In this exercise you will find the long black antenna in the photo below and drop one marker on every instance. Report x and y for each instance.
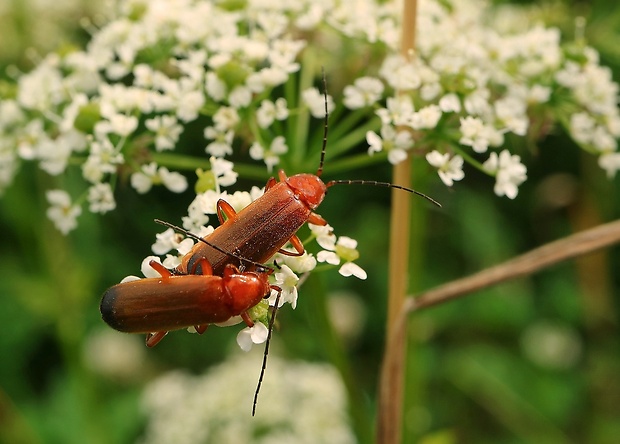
(200, 239)
(320, 170)
(264, 367)
(380, 184)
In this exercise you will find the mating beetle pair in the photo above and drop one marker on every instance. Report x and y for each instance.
(207, 287)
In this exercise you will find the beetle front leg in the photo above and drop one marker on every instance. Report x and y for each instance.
(297, 244)
(247, 319)
(316, 219)
(224, 208)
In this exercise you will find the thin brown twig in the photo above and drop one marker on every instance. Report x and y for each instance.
(569, 247)
(531, 262)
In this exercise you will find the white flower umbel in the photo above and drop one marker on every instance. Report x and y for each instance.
(509, 173)
(449, 169)
(338, 250)
(101, 198)
(271, 155)
(62, 212)
(315, 100)
(149, 73)
(167, 131)
(365, 91)
(395, 143)
(176, 407)
(151, 175)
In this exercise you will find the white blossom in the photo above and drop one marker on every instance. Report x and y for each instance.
(167, 131)
(395, 143)
(316, 102)
(150, 174)
(610, 162)
(271, 155)
(365, 91)
(62, 212)
(222, 141)
(509, 173)
(449, 169)
(479, 135)
(399, 111)
(101, 198)
(270, 111)
(287, 281)
(249, 336)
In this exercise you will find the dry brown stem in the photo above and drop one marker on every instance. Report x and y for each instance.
(531, 262)
(569, 247)
(389, 416)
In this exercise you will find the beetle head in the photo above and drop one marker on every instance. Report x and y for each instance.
(308, 188)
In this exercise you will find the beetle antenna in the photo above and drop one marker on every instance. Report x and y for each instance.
(200, 239)
(264, 366)
(380, 184)
(320, 170)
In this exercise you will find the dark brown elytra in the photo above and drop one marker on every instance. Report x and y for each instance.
(261, 229)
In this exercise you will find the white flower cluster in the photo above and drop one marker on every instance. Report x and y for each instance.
(171, 245)
(214, 408)
(469, 85)
(162, 64)
(120, 107)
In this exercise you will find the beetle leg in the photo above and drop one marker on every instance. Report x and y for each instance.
(224, 208)
(271, 182)
(163, 271)
(316, 219)
(299, 247)
(152, 339)
(247, 319)
(205, 267)
(200, 329)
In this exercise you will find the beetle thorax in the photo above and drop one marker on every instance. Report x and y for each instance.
(308, 188)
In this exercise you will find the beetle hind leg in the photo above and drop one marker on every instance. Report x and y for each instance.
(200, 329)
(152, 339)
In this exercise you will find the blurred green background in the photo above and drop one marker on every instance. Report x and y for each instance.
(534, 360)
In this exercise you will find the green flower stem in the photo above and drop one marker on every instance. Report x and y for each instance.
(350, 121)
(470, 160)
(191, 163)
(342, 140)
(256, 172)
(355, 161)
(352, 139)
(299, 137)
(181, 161)
(333, 348)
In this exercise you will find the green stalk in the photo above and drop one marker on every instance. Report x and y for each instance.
(299, 138)
(334, 350)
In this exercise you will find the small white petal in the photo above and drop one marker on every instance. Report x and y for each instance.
(351, 269)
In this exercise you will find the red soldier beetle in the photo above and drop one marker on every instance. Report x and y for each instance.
(173, 302)
(262, 228)
(207, 267)
(157, 305)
